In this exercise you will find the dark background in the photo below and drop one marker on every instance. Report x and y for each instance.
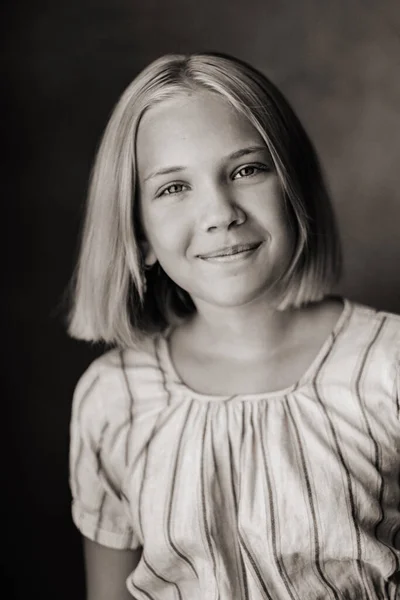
(65, 65)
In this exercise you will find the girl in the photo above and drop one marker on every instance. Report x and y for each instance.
(241, 439)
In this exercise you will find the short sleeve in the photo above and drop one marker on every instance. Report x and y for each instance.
(98, 510)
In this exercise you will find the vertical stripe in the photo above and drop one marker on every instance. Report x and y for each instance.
(163, 375)
(141, 590)
(311, 501)
(100, 447)
(100, 518)
(378, 458)
(144, 476)
(97, 456)
(116, 434)
(152, 570)
(77, 426)
(154, 428)
(131, 533)
(278, 562)
(203, 499)
(257, 576)
(118, 492)
(130, 408)
(98, 468)
(235, 502)
(259, 579)
(345, 469)
(167, 525)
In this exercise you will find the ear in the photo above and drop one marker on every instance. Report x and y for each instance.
(149, 257)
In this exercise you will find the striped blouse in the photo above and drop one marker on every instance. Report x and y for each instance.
(290, 495)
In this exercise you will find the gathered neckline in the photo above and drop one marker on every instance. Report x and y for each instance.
(176, 383)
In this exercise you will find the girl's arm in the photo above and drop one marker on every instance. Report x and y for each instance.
(106, 571)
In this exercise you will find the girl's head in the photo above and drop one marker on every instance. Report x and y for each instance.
(200, 153)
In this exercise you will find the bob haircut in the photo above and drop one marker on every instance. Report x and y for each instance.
(114, 299)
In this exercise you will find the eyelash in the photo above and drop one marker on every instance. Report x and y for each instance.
(171, 185)
(257, 167)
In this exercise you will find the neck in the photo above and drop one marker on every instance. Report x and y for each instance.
(247, 331)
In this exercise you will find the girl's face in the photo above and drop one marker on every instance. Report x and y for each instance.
(210, 201)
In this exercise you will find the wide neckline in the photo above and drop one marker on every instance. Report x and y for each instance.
(176, 383)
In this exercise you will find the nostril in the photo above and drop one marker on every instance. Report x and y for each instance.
(214, 221)
(236, 223)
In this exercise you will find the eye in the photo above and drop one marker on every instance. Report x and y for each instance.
(172, 189)
(249, 171)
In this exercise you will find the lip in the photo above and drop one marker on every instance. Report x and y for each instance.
(230, 250)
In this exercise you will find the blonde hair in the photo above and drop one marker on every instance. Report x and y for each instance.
(109, 302)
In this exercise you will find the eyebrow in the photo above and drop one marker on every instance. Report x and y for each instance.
(236, 154)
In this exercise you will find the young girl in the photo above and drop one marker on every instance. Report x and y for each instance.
(241, 439)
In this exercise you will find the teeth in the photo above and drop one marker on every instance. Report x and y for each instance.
(231, 252)
(235, 251)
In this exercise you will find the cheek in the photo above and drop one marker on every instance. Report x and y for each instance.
(285, 233)
(168, 232)
(272, 212)
(280, 226)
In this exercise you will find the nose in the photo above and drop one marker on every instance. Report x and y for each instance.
(220, 211)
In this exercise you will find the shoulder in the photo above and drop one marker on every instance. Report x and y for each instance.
(372, 338)
(384, 326)
(120, 380)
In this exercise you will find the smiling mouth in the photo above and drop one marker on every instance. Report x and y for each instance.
(230, 251)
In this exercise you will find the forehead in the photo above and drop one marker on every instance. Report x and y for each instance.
(192, 123)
